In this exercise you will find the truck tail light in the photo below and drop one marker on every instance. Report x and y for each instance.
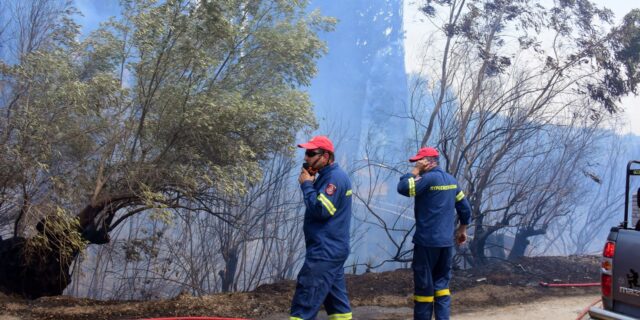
(609, 249)
(606, 265)
(606, 285)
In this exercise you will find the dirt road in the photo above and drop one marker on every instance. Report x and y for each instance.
(552, 308)
(495, 291)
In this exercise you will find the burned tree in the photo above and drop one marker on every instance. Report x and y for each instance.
(492, 94)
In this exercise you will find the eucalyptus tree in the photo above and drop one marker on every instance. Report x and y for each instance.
(171, 103)
(503, 73)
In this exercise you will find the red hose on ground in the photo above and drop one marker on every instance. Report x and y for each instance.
(585, 310)
(194, 318)
(589, 284)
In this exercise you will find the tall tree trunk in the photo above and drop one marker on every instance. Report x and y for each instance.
(477, 247)
(521, 242)
(33, 274)
(45, 270)
(228, 275)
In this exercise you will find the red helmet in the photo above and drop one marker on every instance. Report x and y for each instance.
(318, 142)
(424, 152)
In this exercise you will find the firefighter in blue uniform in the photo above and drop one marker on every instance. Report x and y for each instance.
(437, 195)
(327, 221)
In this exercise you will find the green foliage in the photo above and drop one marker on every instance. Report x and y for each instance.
(173, 101)
(627, 48)
(58, 236)
(605, 61)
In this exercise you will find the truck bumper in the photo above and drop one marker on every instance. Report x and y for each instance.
(601, 314)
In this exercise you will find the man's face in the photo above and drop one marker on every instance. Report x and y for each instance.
(431, 162)
(315, 158)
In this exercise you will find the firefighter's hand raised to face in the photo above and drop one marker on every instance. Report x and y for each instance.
(422, 166)
(304, 176)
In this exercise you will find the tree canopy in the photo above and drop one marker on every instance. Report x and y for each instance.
(172, 102)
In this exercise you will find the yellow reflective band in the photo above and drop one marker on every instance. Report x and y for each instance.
(412, 187)
(459, 196)
(423, 298)
(340, 316)
(327, 203)
(349, 192)
(442, 293)
(295, 318)
(443, 188)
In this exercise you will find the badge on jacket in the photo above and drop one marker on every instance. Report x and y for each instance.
(330, 189)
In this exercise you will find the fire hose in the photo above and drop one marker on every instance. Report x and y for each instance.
(588, 284)
(194, 318)
(586, 310)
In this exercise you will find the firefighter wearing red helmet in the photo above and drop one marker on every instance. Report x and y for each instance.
(326, 189)
(437, 196)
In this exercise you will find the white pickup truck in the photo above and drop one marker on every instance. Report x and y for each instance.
(620, 269)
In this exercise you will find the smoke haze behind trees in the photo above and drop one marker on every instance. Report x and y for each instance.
(376, 114)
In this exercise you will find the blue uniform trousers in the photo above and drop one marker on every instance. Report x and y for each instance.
(321, 281)
(431, 275)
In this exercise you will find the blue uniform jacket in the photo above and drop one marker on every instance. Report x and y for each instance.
(327, 218)
(437, 196)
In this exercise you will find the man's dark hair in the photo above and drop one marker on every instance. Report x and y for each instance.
(331, 156)
(435, 159)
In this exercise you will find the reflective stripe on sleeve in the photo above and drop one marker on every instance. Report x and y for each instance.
(459, 196)
(327, 203)
(412, 187)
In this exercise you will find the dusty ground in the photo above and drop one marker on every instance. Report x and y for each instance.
(544, 309)
(385, 295)
(548, 308)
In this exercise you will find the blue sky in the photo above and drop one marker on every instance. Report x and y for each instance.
(94, 12)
